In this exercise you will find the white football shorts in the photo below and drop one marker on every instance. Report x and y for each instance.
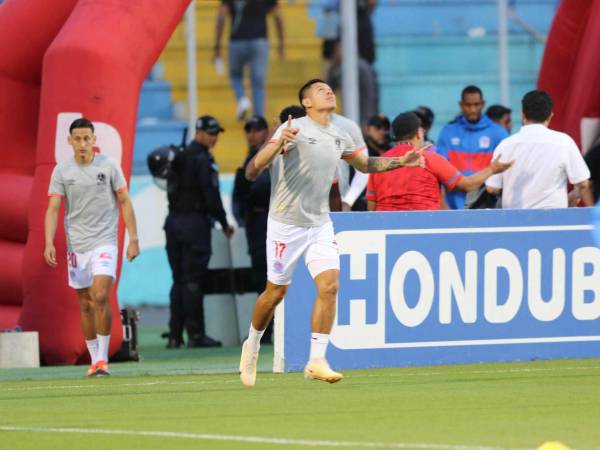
(286, 244)
(83, 267)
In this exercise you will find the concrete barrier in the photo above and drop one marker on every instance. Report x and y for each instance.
(19, 350)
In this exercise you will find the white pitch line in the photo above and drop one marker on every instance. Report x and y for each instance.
(267, 379)
(253, 439)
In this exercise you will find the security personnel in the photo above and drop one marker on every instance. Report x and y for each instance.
(251, 206)
(194, 203)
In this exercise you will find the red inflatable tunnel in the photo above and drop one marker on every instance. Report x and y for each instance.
(571, 70)
(70, 58)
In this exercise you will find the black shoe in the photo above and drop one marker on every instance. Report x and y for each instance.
(203, 341)
(174, 343)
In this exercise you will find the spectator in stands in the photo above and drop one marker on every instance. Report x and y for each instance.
(251, 206)
(592, 159)
(426, 116)
(545, 160)
(469, 140)
(377, 135)
(296, 111)
(419, 188)
(194, 203)
(248, 46)
(501, 115)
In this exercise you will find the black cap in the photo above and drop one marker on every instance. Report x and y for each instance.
(379, 121)
(209, 124)
(256, 122)
(405, 125)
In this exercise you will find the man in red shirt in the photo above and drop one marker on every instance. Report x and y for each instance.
(419, 188)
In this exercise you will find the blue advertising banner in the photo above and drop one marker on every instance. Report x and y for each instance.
(423, 288)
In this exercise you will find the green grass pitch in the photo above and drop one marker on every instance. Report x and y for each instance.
(192, 399)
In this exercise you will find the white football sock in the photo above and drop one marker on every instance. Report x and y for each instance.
(254, 338)
(318, 345)
(92, 347)
(103, 342)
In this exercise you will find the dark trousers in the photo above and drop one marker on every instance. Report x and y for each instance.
(188, 250)
(256, 236)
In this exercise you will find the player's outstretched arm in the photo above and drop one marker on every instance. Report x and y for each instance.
(475, 180)
(133, 249)
(373, 164)
(50, 222)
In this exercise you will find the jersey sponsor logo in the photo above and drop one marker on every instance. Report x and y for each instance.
(484, 142)
(101, 179)
(455, 141)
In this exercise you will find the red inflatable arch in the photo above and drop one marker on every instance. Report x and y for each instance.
(82, 57)
(571, 70)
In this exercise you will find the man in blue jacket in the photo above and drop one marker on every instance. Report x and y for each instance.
(468, 142)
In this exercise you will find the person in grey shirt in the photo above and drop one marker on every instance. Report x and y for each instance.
(93, 186)
(302, 156)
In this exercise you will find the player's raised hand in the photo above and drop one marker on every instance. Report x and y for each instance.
(50, 255)
(414, 158)
(288, 134)
(133, 250)
(498, 166)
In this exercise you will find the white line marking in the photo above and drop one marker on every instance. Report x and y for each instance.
(266, 378)
(253, 439)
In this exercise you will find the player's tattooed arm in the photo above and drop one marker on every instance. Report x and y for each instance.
(373, 164)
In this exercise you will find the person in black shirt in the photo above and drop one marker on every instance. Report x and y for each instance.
(248, 45)
(251, 206)
(194, 202)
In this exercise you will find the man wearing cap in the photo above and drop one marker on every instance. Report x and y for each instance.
(194, 202)
(251, 206)
(419, 187)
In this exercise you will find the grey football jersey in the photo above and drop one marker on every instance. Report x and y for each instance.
(91, 211)
(301, 177)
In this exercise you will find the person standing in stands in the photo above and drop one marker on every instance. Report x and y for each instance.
(545, 161)
(194, 203)
(501, 115)
(468, 142)
(93, 187)
(248, 46)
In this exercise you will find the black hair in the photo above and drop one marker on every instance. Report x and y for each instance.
(537, 106)
(81, 123)
(296, 111)
(471, 90)
(496, 112)
(405, 126)
(425, 115)
(306, 86)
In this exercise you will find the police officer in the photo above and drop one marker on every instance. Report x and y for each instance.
(194, 203)
(251, 206)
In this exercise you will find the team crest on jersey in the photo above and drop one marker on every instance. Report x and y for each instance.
(455, 141)
(101, 179)
(338, 144)
(484, 142)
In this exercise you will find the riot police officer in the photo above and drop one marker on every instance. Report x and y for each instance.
(251, 206)
(194, 203)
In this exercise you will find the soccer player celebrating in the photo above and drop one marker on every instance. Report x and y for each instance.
(303, 155)
(92, 184)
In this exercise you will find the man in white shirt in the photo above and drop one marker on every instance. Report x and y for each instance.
(545, 160)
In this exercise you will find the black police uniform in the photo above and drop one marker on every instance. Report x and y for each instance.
(251, 199)
(194, 202)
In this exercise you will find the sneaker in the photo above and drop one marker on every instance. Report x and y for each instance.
(102, 369)
(318, 369)
(243, 107)
(91, 370)
(248, 362)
